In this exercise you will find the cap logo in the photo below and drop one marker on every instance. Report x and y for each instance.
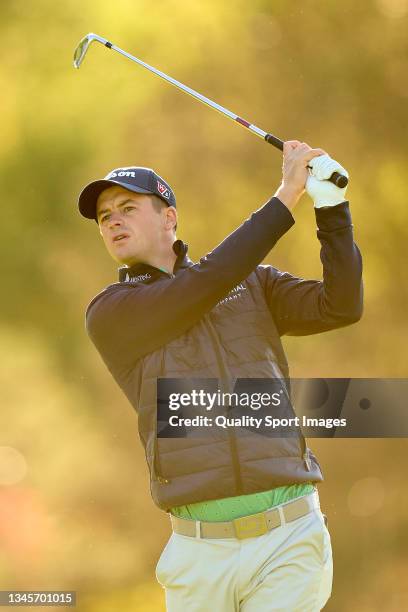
(163, 190)
(121, 173)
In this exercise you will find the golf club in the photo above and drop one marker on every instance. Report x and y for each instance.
(338, 179)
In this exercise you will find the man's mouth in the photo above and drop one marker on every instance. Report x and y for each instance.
(120, 237)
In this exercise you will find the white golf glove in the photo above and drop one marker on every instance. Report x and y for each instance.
(323, 192)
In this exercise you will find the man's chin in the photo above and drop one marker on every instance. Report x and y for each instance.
(124, 254)
(126, 259)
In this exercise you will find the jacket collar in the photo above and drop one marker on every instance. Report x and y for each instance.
(127, 274)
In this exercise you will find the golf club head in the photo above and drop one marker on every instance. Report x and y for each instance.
(83, 47)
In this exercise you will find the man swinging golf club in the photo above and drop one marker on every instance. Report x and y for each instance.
(247, 530)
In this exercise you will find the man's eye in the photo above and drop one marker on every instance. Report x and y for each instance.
(129, 208)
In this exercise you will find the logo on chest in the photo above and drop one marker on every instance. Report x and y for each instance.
(234, 294)
(133, 279)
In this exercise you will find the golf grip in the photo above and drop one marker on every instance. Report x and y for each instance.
(336, 178)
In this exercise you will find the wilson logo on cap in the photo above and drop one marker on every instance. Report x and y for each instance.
(163, 189)
(121, 173)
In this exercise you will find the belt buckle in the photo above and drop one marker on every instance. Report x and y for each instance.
(250, 526)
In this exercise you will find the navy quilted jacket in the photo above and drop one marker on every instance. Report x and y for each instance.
(223, 318)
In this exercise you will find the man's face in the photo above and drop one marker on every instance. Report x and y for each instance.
(130, 226)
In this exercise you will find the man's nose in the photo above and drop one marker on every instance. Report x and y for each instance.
(115, 219)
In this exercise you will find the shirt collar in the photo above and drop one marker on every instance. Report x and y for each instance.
(180, 248)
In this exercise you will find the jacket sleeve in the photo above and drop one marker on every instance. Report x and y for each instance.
(301, 307)
(129, 320)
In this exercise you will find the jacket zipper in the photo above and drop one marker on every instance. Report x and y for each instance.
(304, 449)
(227, 387)
(157, 464)
(157, 469)
(306, 456)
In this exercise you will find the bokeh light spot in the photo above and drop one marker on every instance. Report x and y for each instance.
(13, 466)
(366, 497)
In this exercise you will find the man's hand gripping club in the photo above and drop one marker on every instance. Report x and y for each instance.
(306, 169)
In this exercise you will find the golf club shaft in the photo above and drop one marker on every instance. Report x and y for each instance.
(336, 178)
(195, 94)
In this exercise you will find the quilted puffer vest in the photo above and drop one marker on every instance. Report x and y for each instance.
(236, 339)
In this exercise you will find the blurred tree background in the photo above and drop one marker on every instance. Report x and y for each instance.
(75, 509)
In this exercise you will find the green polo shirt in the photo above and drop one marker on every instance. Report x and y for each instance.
(229, 508)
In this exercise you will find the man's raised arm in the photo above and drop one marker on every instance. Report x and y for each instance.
(135, 319)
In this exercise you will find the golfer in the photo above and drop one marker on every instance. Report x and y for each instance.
(248, 533)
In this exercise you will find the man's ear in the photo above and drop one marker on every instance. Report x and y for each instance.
(171, 216)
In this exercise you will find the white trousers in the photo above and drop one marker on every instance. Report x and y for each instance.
(288, 569)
